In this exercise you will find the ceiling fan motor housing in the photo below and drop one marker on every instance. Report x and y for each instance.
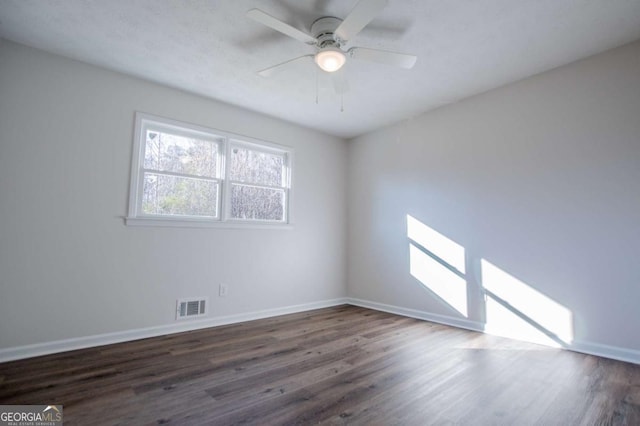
(323, 30)
(330, 37)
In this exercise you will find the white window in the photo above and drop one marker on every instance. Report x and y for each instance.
(188, 175)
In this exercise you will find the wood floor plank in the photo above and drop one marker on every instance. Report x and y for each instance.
(341, 365)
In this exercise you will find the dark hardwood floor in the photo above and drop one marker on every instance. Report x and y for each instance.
(343, 365)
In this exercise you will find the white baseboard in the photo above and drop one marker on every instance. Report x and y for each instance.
(413, 313)
(46, 348)
(589, 348)
(606, 351)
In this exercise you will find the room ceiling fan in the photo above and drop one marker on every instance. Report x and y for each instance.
(330, 35)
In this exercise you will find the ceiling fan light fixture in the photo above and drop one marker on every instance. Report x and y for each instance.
(330, 59)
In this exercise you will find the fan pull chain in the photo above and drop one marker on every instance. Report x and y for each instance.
(316, 85)
(341, 102)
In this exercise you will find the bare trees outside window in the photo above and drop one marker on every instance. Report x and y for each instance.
(181, 171)
(181, 176)
(257, 184)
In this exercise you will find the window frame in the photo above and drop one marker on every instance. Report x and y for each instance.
(226, 141)
(286, 178)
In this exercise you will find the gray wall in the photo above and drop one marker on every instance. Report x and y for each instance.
(541, 178)
(69, 267)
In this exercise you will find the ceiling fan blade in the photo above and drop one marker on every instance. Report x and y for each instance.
(339, 80)
(271, 22)
(358, 18)
(383, 56)
(268, 72)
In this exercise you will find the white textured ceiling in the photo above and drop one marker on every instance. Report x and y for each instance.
(464, 47)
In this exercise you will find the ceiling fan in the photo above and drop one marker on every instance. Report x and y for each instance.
(330, 35)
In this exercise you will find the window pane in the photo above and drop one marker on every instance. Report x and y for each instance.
(256, 167)
(172, 153)
(172, 195)
(250, 202)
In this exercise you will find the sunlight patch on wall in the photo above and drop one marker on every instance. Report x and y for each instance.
(438, 263)
(448, 286)
(443, 247)
(516, 310)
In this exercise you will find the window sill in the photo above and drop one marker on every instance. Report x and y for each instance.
(196, 223)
